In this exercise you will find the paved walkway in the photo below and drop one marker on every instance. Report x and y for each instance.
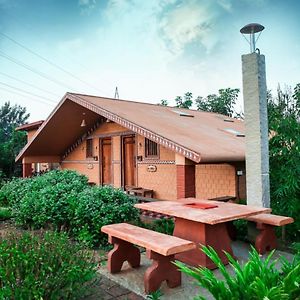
(133, 279)
(106, 289)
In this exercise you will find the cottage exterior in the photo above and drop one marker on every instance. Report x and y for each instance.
(177, 153)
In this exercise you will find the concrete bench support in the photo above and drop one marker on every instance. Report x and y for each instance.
(162, 269)
(161, 249)
(122, 251)
(266, 239)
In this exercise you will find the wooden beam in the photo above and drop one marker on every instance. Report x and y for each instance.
(41, 159)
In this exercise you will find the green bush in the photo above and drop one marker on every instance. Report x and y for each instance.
(256, 280)
(63, 200)
(5, 213)
(46, 267)
(164, 226)
(98, 206)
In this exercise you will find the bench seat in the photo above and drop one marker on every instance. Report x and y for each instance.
(266, 239)
(160, 247)
(271, 219)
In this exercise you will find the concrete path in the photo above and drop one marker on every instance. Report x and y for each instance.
(132, 279)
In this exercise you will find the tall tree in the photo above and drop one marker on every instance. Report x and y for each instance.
(163, 102)
(284, 154)
(11, 142)
(185, 102)
(223, 103)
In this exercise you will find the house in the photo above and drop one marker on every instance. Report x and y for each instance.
(175, 152)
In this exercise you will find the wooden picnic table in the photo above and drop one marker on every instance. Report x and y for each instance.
(203, 222)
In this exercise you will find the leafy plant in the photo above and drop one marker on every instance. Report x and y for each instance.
(155, 295)
(284, 145)
(98, 206)
(5, 213)
(257, 279)
(63, 200)
(164, 226)
(46, 267)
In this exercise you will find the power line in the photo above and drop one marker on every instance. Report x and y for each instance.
(29, 84)
(29, 93)
(48, 61)
(19, 94)
(18, 62)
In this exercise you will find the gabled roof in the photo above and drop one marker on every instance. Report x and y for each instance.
(30, 126)
(197, 135)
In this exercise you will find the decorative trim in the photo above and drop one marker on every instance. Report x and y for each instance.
(101, 136)
(79, 162)
(156, 162)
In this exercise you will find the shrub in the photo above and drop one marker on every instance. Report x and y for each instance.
(63, 200)
(164, 226)
(46, 267)
(5, 213)
(98, 206)
(257, 279)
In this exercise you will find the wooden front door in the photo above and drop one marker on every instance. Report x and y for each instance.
(128, 160)
(105, 161)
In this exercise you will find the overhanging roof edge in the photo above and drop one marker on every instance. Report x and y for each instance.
(19, 156)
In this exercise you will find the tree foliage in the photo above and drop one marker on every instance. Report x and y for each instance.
(223, 103)
(163, 102)
(284, 147)
(184, 102)
(11, 141)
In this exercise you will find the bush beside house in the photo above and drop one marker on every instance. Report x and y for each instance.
(63, 200)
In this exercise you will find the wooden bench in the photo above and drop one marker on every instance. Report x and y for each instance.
(266, 239)
(161, 248)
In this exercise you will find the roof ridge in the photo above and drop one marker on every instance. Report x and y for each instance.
(147, 103)
(123, 100)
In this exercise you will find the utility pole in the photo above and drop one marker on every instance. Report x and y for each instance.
(116, 93)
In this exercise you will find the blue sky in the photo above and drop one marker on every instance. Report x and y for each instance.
(150, 49)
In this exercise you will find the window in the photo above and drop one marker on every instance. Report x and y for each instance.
(89, 148)
(151, 149)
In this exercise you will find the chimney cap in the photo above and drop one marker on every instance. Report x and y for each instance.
(252, 28)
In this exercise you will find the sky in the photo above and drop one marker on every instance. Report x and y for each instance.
(149, 49)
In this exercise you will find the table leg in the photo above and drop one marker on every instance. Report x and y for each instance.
(203, 234)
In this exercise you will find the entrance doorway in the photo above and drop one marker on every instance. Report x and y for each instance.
(128, 161)
(105, 161)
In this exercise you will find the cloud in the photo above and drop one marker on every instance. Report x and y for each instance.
(189, 22)
(86, 6)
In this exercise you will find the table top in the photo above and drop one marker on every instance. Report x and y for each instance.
(224, 212)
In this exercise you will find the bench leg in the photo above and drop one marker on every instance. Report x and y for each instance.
(122, 251)
(266, 239)
(161, 269)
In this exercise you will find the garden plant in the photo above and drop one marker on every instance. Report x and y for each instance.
(257, 279)
(43, 267)
(63, 201)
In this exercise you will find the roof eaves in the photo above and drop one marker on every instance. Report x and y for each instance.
(41, 127)
(30, 126)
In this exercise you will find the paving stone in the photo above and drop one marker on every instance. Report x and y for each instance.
(130, 296)
(117, 291)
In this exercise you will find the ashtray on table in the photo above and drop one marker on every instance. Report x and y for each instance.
(201, 205)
